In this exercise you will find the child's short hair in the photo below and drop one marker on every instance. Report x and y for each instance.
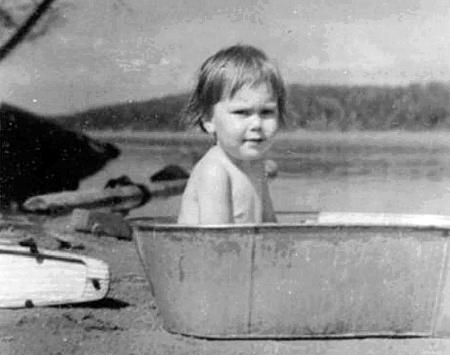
(227, 71)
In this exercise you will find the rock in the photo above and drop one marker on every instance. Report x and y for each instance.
(169, 172)
(38, 156)
(101, 223)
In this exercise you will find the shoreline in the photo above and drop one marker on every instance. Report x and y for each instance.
(381, 139)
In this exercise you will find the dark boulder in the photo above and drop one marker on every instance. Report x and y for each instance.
(39, 156)
(168, 173)
(122, 180)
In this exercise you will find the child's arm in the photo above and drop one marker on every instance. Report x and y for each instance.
(214, 196)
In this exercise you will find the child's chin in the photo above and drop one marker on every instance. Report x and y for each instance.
(253, 155)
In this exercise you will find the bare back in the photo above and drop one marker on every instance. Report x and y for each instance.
(221, 191)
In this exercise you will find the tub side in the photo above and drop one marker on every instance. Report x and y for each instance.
(298, 281)
(346, 281)
(200, 279)
(442, 319)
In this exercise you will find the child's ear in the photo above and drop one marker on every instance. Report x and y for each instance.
(209, 126)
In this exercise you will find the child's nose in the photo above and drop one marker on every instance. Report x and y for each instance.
(256, 121)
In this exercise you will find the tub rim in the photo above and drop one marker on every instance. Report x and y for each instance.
(311, 220)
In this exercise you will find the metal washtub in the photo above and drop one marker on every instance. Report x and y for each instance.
(315, 275)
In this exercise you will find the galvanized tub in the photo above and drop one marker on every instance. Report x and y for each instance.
(310, 276)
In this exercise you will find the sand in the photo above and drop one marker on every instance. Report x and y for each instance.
(127, 321)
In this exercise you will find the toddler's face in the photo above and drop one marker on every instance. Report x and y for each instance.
(246, 123)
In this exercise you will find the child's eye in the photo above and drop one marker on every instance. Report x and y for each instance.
(268, 112)
(241, 112)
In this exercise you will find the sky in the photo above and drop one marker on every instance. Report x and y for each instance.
(110, 51)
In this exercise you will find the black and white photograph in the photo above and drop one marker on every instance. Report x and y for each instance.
(224, 177)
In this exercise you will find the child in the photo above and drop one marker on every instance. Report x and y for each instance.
(239, 100)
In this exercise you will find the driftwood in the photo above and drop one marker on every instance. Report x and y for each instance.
(117, 199)
(165, 189)
(65, 201)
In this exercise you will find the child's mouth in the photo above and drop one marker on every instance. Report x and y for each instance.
(254, 140)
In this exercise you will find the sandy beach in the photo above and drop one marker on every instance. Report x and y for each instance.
(127, 320)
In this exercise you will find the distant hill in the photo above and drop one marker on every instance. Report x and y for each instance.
(159, 114)
(412, 107)
(327, 108)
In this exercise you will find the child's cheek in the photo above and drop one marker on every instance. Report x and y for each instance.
(271, 128)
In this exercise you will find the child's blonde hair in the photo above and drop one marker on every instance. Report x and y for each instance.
(227, 71)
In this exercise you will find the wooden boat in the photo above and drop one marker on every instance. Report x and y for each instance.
(313, 275)
(31, 277)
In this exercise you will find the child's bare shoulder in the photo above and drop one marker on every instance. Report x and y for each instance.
(212, 166)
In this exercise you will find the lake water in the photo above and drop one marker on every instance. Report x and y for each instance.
(392, 173)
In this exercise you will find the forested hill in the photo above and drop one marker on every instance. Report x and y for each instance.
(413, 107)
(161, 114)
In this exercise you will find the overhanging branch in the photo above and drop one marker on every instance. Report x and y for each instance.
(24, 29)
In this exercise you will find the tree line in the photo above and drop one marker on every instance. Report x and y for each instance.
(331, 108)
(412, 107)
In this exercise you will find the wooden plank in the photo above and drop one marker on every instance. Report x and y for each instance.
(364, 219)
(384, 219)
